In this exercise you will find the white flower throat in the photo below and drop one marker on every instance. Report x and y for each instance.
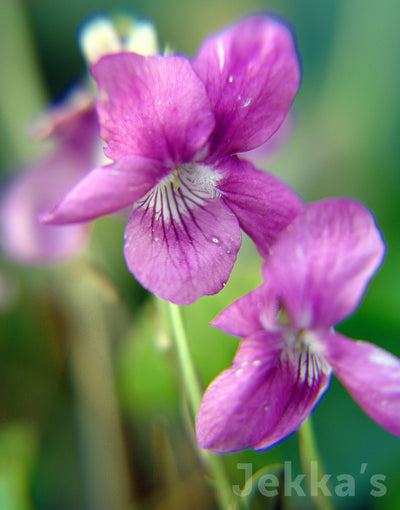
(190, 185)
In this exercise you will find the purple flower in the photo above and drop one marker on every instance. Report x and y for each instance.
(173, 129)
(315, 276)
(73, 128)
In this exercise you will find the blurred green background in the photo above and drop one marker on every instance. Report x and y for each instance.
(91, 413)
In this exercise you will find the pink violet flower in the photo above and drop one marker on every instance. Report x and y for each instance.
(315, 276)
(73, 128)
(173, 129)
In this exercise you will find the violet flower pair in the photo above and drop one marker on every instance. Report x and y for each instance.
(173, 129)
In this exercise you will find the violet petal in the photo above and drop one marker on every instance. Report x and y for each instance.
(253, 312)
(181, 242)
(251, 73)
(370, 374)
(263, 204)
(152, 106)
(261, 399)
(323, 262)
(105, 190)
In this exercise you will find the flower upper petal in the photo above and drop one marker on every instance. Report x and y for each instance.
(262, 398)
(152, 106)
(263, 204)
(106, 189)
(370, 374)
(323, 262)
(251, 73)
(181, 243)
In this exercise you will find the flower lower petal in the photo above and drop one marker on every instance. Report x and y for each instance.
(251, 73)
(322, 264)
(263, 204)
(370, 374)
(105, 190)
(261, 399)
(181, 243)
(152, 106)
(312, 381)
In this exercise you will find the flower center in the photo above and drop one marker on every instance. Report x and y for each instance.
(189, 186)
(302, 342)
(199, 178)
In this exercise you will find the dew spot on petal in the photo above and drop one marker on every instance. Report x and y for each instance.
(239, 371)
(230, 79)
(256, 363)
(215, 240)
(247, 102)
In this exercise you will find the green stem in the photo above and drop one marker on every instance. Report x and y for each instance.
(312, 466)
(186, 364)
(193, 390)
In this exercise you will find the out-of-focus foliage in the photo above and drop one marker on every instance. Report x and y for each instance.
(91, 413)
